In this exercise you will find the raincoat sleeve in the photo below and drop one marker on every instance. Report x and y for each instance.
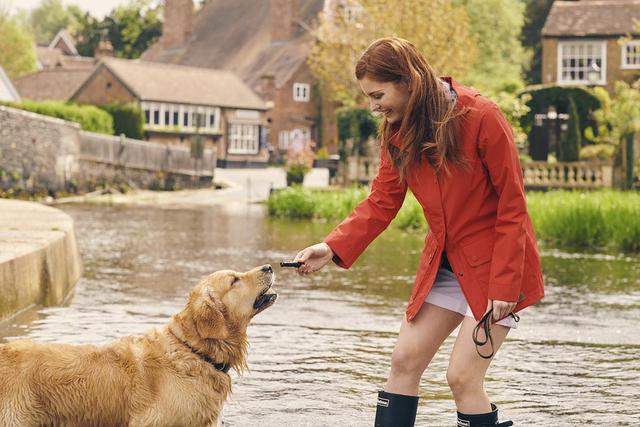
(370, 218)
(499, 155)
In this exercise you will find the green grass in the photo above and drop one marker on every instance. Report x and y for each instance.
(606, 219)
(598, 219)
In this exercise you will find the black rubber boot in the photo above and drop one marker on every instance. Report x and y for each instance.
(482, 420)
(396, 410)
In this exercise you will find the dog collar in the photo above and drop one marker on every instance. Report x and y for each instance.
(222, 367)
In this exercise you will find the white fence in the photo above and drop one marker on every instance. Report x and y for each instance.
(568, 175)
(132, 153)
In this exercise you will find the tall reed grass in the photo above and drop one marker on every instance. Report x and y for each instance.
(597, 219)
(575, 219)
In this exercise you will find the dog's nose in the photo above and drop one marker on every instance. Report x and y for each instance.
(267, 268)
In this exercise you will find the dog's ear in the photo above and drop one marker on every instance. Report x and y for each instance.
(210, 319)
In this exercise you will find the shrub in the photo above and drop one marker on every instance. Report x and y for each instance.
(128, 119)
(597, 152)
(543, 97)
(89, 118)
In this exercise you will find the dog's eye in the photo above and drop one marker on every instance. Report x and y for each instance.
(235, 279)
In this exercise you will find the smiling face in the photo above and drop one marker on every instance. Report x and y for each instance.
(387, 98)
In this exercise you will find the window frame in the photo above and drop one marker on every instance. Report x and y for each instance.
(305, 96)
(601, 44)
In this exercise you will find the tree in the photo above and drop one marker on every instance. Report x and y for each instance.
(132, 28)
(439, 29)
(17, 53)
(87, 32)
(50, 17)
(572, 142)
(496, 24)
(536, 12)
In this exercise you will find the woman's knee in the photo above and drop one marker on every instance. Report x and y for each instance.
(462, 381)
(407, 361)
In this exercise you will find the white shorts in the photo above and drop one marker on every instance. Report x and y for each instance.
(446, 293)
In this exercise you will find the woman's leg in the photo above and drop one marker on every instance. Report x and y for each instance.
(467, 369)
(418, 341)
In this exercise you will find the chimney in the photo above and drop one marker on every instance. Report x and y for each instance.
(177, 23)
(104, 48)
(267, 88)
(283, 14)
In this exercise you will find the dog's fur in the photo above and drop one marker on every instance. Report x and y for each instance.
(158, 379)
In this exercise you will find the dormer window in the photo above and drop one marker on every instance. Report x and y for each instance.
(301, 92)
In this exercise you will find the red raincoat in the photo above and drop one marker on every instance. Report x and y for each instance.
(478, 216)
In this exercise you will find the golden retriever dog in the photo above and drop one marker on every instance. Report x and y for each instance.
(171, 376)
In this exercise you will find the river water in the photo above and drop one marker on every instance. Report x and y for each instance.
(319, 355)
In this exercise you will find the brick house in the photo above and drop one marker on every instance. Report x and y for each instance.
(180, 102)
(267, 44)
(581, 42)
(61, 70)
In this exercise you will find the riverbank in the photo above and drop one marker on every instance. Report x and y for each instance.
(233, 188)
(606, 219)
(39, 258)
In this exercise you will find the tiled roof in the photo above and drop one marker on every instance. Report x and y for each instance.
(586, 18)
(54, 84)
(152, 81)
(55, 57)
(236, 35)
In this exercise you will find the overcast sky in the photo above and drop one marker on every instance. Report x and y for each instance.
(97, 8)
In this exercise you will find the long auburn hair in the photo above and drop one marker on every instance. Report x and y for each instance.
(429, 126)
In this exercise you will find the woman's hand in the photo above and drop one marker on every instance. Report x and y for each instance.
(501, 309)
(314, 258)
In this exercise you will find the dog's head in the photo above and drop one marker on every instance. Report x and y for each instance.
(220, 308)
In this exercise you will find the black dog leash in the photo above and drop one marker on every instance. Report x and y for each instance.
(484, 324)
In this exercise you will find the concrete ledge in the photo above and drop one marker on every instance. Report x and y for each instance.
(39, 258)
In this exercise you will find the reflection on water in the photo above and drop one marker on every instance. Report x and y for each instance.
(319, 355)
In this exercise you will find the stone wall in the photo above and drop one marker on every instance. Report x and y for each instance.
(43, 154)
(37, 153)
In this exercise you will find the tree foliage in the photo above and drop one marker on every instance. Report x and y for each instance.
(496, 25)
(536, 12)
(131, 28)
(438, 28)
(17, 52)
(619, 116)
(51, 16)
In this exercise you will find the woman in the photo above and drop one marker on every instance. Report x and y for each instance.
(454, 150)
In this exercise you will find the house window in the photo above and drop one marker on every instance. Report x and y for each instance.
(156, 116)
(575, 59)
(301, 92)
(176, 116)
(147, 116)
(296, 139)
(244, 139)
(167, 116)
(631, 55)
(283, 139)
